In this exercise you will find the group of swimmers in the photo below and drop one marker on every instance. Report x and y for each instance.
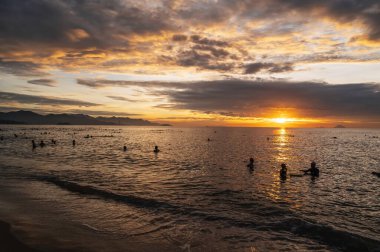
(313, 170)
(42, 144)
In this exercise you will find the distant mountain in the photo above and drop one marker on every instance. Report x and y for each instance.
(28, 117)
(22, 117)
(340, 127)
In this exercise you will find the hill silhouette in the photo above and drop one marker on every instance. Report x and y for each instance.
(29, 117)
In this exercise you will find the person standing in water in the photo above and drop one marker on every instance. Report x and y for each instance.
(251, 164)
(42, 144)
(73, 142)
(156, 150)
(314, 171)
(283, 171)
(34, 145)
(125, 148)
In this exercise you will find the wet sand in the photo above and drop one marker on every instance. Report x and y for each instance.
(38, 226)
(9, 243)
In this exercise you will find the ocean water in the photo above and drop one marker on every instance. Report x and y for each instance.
(194, 195)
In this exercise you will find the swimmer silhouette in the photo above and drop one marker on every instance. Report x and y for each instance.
(283, 171)
(251, 164)
(156, 150)
(15, 135)
(73, 142)
(125, 148)
(1, 138)
(34, 145)
(42, 144)
(53, 141)
(208, 139)
(314, 171)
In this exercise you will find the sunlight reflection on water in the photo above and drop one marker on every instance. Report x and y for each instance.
(193, 184)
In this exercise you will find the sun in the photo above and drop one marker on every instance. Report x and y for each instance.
(280, 120)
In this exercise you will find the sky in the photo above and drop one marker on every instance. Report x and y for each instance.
(252, 63)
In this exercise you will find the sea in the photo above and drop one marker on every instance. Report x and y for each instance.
(196, 194)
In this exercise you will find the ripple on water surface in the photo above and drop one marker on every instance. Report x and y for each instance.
(196, 192)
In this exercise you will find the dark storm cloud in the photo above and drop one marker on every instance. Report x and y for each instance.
(108, 23)
(21, 68)
(196, 58)
(88, 32)
(255, 98)
(344, 11)
(43, 82)
(205, 53)
(41, 100)
(268, 67)
(205, 41)
(75, 23)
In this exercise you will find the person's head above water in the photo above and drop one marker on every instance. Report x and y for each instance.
(313, 164)
(283, 165)
(251, 160)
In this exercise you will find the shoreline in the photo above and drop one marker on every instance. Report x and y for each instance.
(9, 242)
(27, 225)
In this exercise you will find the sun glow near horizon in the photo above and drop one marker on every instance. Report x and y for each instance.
(283, 121)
